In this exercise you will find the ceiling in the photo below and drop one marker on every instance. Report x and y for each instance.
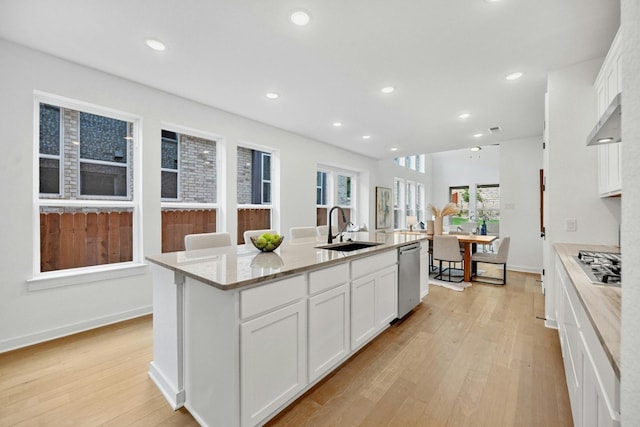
(442, 57)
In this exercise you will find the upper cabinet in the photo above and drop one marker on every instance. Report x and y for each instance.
(608, 85)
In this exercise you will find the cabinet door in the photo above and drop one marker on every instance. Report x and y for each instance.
(386, 300)
(614, 170)
(328, 330)
(363, 320)
(603, 169)
(272, 361)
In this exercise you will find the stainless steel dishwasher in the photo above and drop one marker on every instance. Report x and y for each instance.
(408, 278)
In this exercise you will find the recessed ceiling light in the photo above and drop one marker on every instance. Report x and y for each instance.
(394, 149)
(477, 135)
(464, 116)
(476, 148)
(492, 1)
(337, 124)
(300, 18)
(272, 95)
(387, 89)
(514, 76)
(366, 136)
(155, 44)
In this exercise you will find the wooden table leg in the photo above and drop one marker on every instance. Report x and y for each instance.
(467, 262)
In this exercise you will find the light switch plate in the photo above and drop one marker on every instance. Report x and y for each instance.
(571, 224)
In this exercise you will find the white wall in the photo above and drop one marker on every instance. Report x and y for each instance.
(571, 170)
(463, 167)
(27, 317)
(630, 381)
(520, 164)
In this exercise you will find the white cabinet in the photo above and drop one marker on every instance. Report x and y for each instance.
(273, 344)
(608, 85)
(592, 383)
(386, 301)
(374, 303)
(329, 319)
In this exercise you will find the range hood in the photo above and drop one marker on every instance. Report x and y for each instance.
(607, 130)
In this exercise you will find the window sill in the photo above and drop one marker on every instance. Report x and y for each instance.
(79, 276)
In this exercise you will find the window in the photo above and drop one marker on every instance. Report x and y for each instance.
(254, 190)
(335, 187)
(188, 168)
(321, 188)
(460, 196)
(420, 198)
(416, 163)
(87, 203)
(50, 131)
(488, 202)
(410, 197)
(398, 203)
(104, 168)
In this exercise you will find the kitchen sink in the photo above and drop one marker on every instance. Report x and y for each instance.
(348, 246)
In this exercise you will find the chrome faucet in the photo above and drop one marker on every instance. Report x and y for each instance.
(330, 235)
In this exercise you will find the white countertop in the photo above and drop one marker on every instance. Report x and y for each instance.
(243, 266)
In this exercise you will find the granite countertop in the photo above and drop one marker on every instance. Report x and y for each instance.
(601, 303)
(243, 266)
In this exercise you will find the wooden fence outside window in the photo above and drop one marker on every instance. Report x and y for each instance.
(79, 239)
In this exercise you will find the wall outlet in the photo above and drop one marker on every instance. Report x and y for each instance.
(571, 224)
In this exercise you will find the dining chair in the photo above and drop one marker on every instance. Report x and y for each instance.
(247, 235)
(500, 257)
(206, 240)
(300, 232)
(446, 248)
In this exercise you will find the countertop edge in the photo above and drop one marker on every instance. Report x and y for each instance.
(610, 344)
(263, 280)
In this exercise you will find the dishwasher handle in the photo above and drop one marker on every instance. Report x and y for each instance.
(408, 248)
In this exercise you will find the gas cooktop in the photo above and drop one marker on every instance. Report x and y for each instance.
(602, 268)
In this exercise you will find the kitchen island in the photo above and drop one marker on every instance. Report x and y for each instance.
(239, 335)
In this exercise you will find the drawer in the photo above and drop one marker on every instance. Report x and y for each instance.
(373, 263)
(270, 296)
(327, 278)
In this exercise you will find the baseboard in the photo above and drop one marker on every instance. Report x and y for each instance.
(524, 269)
(176, 398)
(63, 331)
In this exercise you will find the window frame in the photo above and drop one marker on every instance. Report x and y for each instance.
(399, 189)
(71, 276)
(333, 188)
(59, 157)
(176, 170)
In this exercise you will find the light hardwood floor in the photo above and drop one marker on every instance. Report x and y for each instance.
(473, 358)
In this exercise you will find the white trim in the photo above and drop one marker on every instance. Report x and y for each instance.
(84, 275)
(175, 397)
(51, 334)
(87, 203)
(188, 205)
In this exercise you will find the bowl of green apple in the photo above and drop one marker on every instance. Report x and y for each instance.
(267, 242)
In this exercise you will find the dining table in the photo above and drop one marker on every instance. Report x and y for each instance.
(469, 243)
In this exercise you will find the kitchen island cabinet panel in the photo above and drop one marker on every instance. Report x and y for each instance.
(363, 313)
(329, 330)
(386, 301)
(273, 365)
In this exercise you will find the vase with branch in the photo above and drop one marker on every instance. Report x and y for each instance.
(448, 209)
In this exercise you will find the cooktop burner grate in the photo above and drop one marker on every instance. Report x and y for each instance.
(602, 268)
